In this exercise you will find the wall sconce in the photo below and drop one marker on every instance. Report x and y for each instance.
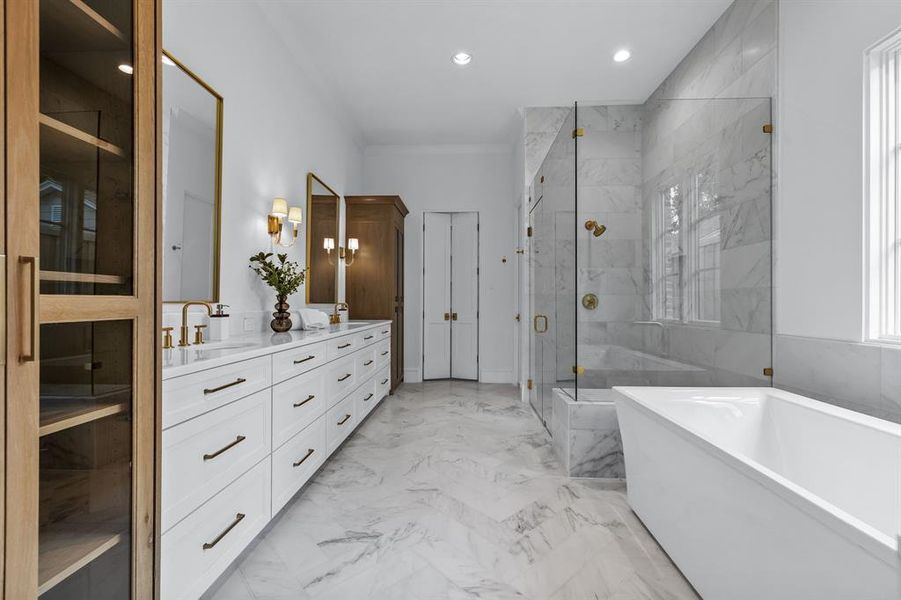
(282, 218)
(328, 244)
(353, 244)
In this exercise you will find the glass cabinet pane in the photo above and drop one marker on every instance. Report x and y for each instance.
(86, 147)
(85, 461)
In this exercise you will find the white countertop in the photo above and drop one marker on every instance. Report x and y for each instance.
(181, 361)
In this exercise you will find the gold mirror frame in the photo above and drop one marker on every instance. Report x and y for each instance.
(311, 177)
(217, 237)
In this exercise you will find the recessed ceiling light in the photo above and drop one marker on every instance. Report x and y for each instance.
(462, 58)
(622, 55)
(168, 61)
(127, 69)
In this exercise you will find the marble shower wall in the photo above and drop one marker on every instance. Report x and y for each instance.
(694, 125)
(609, 266)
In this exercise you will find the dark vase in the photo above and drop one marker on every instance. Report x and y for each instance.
(282, 320)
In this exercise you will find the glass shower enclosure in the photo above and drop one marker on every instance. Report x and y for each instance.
(650, 256)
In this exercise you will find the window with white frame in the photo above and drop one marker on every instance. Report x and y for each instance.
(884, 190)
(685, 264)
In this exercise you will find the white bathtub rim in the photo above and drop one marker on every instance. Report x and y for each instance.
(863, 535)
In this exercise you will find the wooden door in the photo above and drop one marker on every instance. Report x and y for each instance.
(82, 207)
(397, 326)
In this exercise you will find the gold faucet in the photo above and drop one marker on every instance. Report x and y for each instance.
(183, 337)
(335, 318)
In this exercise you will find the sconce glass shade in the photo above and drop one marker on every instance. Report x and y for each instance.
(328, 243)
(353, 244)
(295, 215)
(279, 207)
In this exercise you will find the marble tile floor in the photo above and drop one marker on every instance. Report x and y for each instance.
(451, 490)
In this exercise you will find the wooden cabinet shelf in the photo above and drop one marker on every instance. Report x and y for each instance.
(82, 277)
(72, 144)
(59, 413)
(72, 25)
(67, 547)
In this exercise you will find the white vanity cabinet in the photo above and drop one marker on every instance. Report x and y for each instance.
(245, 426)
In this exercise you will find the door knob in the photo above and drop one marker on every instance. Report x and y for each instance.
(447, 316)
(453, 316)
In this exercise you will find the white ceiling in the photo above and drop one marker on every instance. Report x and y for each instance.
(389, 61)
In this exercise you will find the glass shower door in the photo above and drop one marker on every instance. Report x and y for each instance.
(675, 276)
(552, 262)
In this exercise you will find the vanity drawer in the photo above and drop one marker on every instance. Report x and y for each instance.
(340, 378)
(370, 336)
(365, 363)
(289, 363)
(383, 354)
(203, 455)
(342, 346)
(340, 422)
(197, 550)
(384, 331)
(295, 404)
(187, 396)
(295, 462)
(382, 384)
(366, 398)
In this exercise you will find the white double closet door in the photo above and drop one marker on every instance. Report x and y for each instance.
(451, 295)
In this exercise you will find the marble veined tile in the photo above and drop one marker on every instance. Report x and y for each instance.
(451, 490)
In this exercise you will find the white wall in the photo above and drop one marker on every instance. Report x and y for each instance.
(820, 205)
(278, 125)
(451, 178)
(819, 218)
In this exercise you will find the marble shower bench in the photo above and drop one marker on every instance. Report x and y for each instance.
(585, 434)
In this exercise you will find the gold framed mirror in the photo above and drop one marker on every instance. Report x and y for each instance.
(323, 242)
(192, 184)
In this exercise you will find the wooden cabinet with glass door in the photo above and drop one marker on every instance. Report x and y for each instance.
(81, 208)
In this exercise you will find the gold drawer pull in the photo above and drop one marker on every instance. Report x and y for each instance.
(345, 377)
(384, 381)
(237, 441)
(368, 337)
(367, 363)
(302, 402)
(303, 360)
(301, 461)
(237, 381)
(366, 399)
(343, 346)
(238, 518)
(344, 420)
(385, 352)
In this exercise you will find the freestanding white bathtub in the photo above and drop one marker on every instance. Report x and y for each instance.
(759, 494)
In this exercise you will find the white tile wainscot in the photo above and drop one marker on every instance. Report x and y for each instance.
(246, 423)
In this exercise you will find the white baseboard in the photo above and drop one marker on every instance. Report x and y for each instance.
(412, 375)
(489, 376)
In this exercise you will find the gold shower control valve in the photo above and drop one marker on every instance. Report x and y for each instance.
(595, 228)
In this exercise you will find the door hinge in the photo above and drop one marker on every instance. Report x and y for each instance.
(578, 132)
(529, 384)
(768, 372)
(529, 231)
(578, 370)
(768, 128)
(520, 251)
(518, 318)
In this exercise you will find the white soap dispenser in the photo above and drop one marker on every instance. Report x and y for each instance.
(219, 324)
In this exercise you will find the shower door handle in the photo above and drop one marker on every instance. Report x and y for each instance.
(535, 323)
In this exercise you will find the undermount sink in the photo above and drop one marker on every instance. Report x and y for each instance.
(223, 346)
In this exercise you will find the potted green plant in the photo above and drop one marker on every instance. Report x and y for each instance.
(284, 277)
